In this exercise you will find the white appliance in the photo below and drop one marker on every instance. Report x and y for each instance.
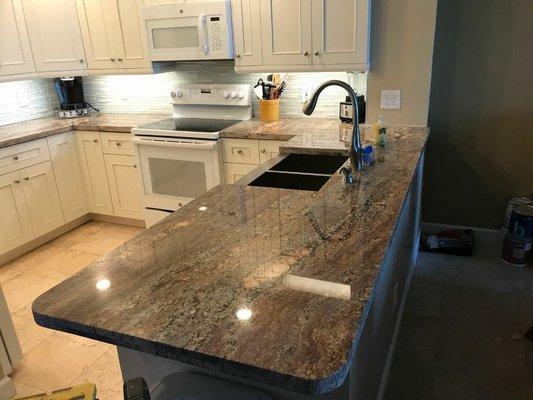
(179, 157)
(197, 30)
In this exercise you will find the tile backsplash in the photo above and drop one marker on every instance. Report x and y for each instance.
(25, 100)
(150, 93)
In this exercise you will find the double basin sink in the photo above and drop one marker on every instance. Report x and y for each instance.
(300, 172)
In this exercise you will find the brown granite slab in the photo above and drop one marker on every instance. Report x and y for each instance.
(39, 128)
(301, 265)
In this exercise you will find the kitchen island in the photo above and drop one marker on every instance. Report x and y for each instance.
(296, 293)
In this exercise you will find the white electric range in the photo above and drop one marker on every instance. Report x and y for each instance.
(179, 157)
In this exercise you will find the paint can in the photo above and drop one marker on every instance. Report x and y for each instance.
(513, 202)
(521, 221)
(516, 251)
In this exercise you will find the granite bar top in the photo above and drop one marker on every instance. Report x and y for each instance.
(39, 128)
(262, 283)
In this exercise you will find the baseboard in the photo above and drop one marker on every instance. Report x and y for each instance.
(118, 220)
(7, 388)
(34, 243)
(481, 234)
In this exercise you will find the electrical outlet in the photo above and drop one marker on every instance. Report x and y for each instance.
(390, 99)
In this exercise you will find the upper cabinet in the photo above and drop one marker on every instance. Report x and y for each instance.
(54, 35)
(112, 34)
(301, 35)
(15, 49)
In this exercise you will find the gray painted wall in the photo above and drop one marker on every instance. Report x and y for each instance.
(480, 149)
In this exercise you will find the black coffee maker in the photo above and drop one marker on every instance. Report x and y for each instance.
(70, 93)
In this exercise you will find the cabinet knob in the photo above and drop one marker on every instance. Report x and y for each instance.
(120, 59)
(263, 151)
(95, 140)
(118, 144)
(240, 152)
(180, 204)
(134, 165)
(26, 178)
(306, 53)
(17, 181)
(15, 158)
(81, 61)
(112, 59)
(237, 56)
(316, 53)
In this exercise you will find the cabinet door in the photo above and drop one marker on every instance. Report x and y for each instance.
(286, 32)
(233, 172)
(15, 50)
(55, 35)
(68, 175)
(129, 39)
(93, 172)
(97, 22)
(268, 149)
(15, 225)
(42, 198)
(124, 184)
(246, 32)
(340, 32)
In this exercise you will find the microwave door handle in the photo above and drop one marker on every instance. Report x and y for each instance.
(203, 34)
(181, 145)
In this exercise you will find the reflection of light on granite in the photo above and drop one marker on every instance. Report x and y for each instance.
(316, 286)
(244, 314)
(103, 284)
(202, 208)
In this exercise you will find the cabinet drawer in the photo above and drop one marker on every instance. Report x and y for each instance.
(233, 172)
(242, 151)
(23, 155)
(117, 143)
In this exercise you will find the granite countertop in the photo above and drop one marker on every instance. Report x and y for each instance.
(301, 265)
(39, 128)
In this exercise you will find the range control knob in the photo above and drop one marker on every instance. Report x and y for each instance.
(173, 94)
(233, 94)
(226, 94)
(241, 95)
(179, 94)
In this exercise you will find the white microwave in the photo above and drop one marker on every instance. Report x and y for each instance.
(198, 30)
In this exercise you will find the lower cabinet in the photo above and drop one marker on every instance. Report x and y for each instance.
(15, 225)
(233, 171)
(42, 198)
(124, 185)
(65, 162)
(94, 172)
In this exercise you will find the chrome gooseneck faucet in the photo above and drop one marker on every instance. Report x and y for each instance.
(356, 151)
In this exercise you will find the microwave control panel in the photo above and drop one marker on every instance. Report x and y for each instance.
(214, 32)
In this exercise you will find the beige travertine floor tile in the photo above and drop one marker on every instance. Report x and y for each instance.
(29, 333)
(25, 262)
(63, 264)
(23, 289)
(25, 312)
(23, 390)
(58, 360)
(105, 374)
(132, 230)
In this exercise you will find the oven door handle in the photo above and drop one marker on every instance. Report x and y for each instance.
(181, 145)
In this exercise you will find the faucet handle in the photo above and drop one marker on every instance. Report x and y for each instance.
(348, 175)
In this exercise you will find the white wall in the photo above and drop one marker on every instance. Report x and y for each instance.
(40, 96)
(150, 93)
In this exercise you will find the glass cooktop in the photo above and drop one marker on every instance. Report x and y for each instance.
(191, 124)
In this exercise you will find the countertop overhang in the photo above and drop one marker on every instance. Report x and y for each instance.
(265, 284)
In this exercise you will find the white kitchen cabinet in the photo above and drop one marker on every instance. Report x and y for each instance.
(42, 198)
(246, 33)
(286, 32)
(112, 34)
(55, 35)
(94, 172)
(65, 162)
(124, 185)
(233, 172)
(302, 35)
(268, 149)
(340, 32)
(15, 225)
(15, 50)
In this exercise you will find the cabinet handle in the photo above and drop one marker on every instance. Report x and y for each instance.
(95, 140)
(316, 53)
(118, 144)
(112, 59)
(120, 59)
(17, 181)
(16, 158)
(26, 178)
(263, 151)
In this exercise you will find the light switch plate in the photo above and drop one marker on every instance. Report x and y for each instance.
(390, 99)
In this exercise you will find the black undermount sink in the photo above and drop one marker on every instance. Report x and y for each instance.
(290, 181)
(310, 163)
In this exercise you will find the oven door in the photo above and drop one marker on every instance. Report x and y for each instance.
(176, 171)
